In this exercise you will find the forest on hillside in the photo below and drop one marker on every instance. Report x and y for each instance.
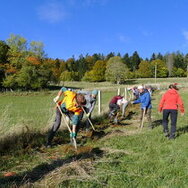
(25, 65)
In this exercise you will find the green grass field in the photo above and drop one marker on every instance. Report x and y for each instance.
(123, 156)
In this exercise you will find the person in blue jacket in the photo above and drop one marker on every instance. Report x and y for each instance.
(145, 102)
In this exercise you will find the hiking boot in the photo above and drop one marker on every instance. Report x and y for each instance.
(116, 121)
(171, 137)
(166, 133)
(87, 130)
(48, 146)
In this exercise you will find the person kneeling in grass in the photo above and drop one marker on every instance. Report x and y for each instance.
(169, 104)
(71, 106)
(145, 101)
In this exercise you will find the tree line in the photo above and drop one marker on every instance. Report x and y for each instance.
(24, 65)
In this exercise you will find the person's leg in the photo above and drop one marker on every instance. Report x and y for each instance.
(165, 122)
(123, 108)
(55, 127)
(87, 121)
(148, 113)
(116, 112)
(112, 108)
(141, 116)
(173, 117)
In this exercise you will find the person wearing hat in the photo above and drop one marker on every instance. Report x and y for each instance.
(145, 101)
(169, 104)
(91, 98)
(71, 107)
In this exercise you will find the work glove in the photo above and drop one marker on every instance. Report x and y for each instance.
(56, 99)
(87, 115)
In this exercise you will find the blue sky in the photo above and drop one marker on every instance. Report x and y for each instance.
(74, 27)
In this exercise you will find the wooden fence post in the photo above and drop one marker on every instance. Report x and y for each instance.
(125, 94)
(118, 91)
(99, 102)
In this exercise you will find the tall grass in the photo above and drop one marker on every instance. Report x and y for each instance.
(130, 158)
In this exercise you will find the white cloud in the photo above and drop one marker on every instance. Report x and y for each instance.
(123, 38)
(146, 33)
(185, 34)
(51, 12)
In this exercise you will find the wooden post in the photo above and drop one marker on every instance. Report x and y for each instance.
(155, 73)
(125, 94)
(118, 91)
(99, 102)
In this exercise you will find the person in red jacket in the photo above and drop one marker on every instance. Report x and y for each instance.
(169, 104)
(114, 107)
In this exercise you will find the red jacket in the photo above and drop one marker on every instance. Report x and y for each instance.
(115, 99)
(171, 100)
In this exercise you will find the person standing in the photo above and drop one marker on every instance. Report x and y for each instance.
(169, 104)
(145, 101)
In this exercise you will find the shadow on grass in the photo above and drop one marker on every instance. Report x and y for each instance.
(41, 170)
(26, 141)
(130, 115)
(130, 82)
(157, 123)
(29, 140)
(182, 130)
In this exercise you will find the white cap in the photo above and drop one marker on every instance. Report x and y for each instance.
(140, 87)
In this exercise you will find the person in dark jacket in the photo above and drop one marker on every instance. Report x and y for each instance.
(169, 104)
(145, 101)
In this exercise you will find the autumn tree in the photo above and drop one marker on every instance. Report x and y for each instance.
(97, 74)
(162, 70)
(145, 70)
(3, 60)
(116, 70)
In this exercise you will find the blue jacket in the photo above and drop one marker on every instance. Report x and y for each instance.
(144, 99)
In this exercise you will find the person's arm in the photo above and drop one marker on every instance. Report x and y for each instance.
(84, 92)
(161, 103)
(62, 90)
(92, 106)
(180, 104)
(137, 101)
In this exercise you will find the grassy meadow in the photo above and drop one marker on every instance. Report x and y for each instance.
(118, 156)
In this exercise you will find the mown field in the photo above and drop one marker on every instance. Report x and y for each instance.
(117, 156)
